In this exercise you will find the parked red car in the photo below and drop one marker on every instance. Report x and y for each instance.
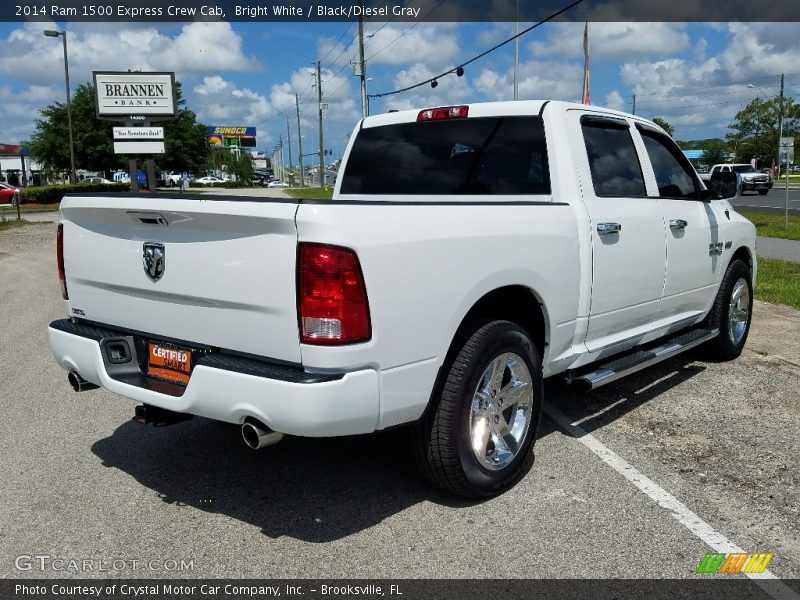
(8, 194)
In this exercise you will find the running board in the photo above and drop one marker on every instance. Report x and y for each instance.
(641, 359)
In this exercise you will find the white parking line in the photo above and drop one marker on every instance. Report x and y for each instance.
(767, 580)
(781, 207)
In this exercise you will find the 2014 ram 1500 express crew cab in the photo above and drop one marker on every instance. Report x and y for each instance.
(468, 252)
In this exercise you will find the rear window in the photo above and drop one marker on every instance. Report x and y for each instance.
(491, 156)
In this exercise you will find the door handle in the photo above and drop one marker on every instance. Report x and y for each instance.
(677, 224)
(608, 228)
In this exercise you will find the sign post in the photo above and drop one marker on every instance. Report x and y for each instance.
(136, 98)
(787, 156)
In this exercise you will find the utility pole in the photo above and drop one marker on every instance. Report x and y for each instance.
(321, 146)
(300, 141)
(362, 63)
(289, 141)
(516, 53)
(780, 127)
(633, 112)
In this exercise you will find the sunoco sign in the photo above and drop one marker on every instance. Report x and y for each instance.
(125, 95)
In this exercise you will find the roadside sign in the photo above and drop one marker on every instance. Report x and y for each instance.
(787, 149)
(138, 133)
(126, 95)
(139, 147)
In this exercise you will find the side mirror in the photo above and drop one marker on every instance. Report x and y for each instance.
(725, 186)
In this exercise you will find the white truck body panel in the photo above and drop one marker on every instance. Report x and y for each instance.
(229, 279)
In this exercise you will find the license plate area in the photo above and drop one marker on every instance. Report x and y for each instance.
(169, 362)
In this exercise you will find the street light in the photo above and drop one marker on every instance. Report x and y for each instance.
(63, 34)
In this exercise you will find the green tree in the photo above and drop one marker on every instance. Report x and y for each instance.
(755, 129)
(238, 164)
(93, 140)
(664, 125)
(185, 139)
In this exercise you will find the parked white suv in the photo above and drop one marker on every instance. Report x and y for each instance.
(468, 253)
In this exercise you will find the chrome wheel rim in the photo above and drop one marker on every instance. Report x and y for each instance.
(500, 414)
(739, 311)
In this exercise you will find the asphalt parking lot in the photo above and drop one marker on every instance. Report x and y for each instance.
(81, 480)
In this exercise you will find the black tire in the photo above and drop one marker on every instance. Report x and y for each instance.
(724, 346)
(442, 437)
(763, 192)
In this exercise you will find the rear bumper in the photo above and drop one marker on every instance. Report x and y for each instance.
(230, 389)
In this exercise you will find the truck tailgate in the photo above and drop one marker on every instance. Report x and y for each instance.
(228, 277)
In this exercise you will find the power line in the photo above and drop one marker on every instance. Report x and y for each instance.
(482, 54)
(405, 4)
(344, 33)
(430, 12)
(747, 92)
(338, 56)
(709, 87)
(706, 105)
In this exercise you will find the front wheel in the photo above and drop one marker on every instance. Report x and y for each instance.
(477, 438)
(732, 312)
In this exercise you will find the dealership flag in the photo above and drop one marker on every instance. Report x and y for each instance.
(586, 99)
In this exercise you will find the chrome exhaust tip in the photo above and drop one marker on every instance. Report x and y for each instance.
(79, 384)
(257, 435)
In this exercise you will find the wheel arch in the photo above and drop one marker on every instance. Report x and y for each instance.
(516, 303)
(743, 253)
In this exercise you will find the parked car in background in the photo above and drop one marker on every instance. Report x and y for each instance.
(277, 184)
(169, 179)
(752, 179)
(93, 180)
(8, 194)
(208, 180)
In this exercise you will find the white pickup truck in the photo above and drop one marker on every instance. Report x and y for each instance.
(751, 178)
(468, 253)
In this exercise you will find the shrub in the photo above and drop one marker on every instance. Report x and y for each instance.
(52, 194)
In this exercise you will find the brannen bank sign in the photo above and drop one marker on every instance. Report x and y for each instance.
(125, 95)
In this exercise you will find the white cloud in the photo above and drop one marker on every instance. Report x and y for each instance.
(221, 102)
(612, 40)
(537, 80)
(615, 101)
(211, 85)
(704, 92)
(450, 89)
(436, 44)
(199, 47)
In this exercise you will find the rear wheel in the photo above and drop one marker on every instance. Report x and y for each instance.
(477, 438)
(732, 312)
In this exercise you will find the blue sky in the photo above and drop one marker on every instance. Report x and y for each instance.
(694, 75)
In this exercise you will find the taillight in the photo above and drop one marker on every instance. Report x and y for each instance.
(331, 296)
(62, 276)
(444, 112)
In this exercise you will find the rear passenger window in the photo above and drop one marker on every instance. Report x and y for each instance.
(672, 173)
(612, 159)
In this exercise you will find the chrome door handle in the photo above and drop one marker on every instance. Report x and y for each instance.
(608, 228)
(677, 224)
